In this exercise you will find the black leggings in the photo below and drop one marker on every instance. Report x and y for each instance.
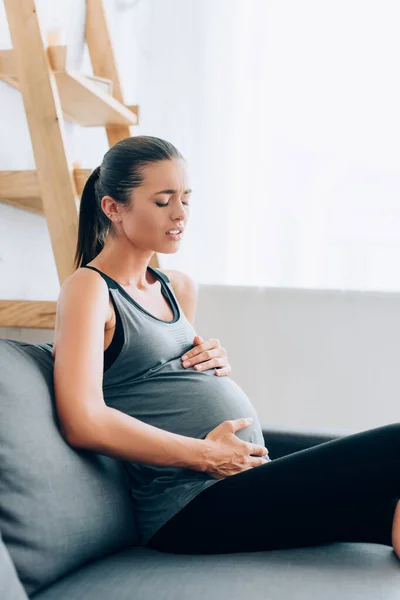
(344, 490)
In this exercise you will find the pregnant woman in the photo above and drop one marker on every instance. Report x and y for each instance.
(201, 478)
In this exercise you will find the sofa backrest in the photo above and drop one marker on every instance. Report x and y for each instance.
(60, 507)
(10, 586)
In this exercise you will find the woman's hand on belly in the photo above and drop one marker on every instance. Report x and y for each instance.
(227, 455)
(207, 355)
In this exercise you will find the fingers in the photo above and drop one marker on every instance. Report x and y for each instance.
(201, 357)
(260, 461)
(223, 370)
(240, 423)
(204, 352)
(209, 364)
(256, 462)
(258, 450)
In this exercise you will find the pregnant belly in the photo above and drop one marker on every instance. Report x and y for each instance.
(185, 401)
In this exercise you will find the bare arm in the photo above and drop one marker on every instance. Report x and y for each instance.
(117, 434)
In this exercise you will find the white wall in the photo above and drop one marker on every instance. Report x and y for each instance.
(311, 359)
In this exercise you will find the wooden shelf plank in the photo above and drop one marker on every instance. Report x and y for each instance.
(21, 189)
(35, 314)
(85, 100)
(88, 105)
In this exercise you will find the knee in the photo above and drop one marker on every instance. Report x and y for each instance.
(391, 431)
(395, 427)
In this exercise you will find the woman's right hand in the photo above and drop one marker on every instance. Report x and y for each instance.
(227, 454)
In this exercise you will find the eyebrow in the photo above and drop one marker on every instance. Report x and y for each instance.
(172, 192)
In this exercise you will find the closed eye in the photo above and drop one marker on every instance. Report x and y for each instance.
(161, 204)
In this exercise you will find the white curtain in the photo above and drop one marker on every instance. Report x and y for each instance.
(288, 114)
(308, 134)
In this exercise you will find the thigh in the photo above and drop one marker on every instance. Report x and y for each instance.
(341, 490)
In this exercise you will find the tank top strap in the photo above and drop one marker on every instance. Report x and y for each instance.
(110, 282)
(162, 275)
(166, 285)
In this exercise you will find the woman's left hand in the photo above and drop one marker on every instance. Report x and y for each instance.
(206, 355)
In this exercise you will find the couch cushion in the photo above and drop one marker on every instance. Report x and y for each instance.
(349, 571)
(59, 507)
(10, 586)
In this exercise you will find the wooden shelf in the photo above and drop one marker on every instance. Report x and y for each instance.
(84, 100)
(21, 189)
(33, 314)
(52, 93)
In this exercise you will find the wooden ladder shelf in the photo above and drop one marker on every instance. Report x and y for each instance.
(52, 93)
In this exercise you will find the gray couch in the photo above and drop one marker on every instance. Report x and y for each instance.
(68, 529)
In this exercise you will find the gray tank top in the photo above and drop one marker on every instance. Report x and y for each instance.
(147, 381)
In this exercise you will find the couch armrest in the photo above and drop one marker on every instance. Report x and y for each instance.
(281, 442)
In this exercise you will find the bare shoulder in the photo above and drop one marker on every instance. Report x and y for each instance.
(179, 279)
(83, 290)
(82, 283)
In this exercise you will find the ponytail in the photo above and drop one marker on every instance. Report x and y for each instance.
(90, 233)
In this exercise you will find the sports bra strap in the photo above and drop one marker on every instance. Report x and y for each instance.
(110, 282)
(108, 279)
(161, 274)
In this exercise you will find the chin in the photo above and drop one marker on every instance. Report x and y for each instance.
(168, 248)
(169, 251)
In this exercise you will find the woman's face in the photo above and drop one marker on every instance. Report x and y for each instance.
(160, 204)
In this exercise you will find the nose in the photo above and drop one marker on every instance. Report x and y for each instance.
(180, 214)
